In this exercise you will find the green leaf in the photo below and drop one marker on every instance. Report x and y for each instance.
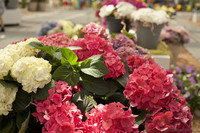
(97, 86)
(67, 74)
(123, 79)
(68, 56)
(7, 124)
(131, 36)
(47, 49)
(141, 116)
(36, 44)
(74, 48)
(118, 97)
(25, 124)
(9, 84)
(22, 100)
(42, 93)
(21, 117)
(95, 68)
(95, 57)
(58, 54)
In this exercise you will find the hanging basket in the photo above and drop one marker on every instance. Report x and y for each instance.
(148, 34)
(115, 25)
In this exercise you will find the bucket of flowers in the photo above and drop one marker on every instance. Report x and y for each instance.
(56, 84)
(149, 23)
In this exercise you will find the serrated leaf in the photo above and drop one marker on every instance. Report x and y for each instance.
(95, 68)
(123, 79)
(57, 55)
(9, 84)
(42, 93)
(36, 44)
(67, 74)
(74, 48)
(68, 56)
(97, 86)
(22, 100)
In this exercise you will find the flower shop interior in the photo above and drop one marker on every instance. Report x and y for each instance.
(100, 66)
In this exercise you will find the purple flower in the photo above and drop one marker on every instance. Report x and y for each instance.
(190, 97)
(183, 91)
(194, 74)
(175, 79)
(192, 80)
(189, 69)
(181, 84)
(178, 69)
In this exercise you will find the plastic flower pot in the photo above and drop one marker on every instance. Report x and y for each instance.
(42, 6)
(115, 25)
(148, 34)
(32, 6)
(175, 50)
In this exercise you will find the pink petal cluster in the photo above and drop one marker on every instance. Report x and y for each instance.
(137, 61)
(95, 29)
(149, 87)
(55, 39)
(111, 118)
(94, 45)
(57, 113)
(174, 117)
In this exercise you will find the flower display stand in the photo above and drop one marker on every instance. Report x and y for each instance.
(175, 49)
(148, 34)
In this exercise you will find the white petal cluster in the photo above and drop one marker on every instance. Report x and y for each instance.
(106, 10)
(7, 97)
(6, 62)
(21, 49)
(151, 16)
(125, 9)
(32, 73)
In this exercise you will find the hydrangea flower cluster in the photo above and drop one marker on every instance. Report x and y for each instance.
(57, 113)
(32, 73)
(126, 47)
(111, 118)
(55, 39)
(151, 88)
(7, 97)
(175, 34)
(95, 29)
(95, 45)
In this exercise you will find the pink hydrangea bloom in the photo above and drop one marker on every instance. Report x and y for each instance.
(111, 118)
(55, 39)
(149, 87)
(57, 113)
(95, 29)
(136, 61)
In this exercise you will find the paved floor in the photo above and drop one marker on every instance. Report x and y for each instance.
(31, 23)
(193, 46)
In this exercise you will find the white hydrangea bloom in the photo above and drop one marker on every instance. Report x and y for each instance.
(21, 49)
(7, 97)
(106, 10)
(6, 62)
(32, 73)
(125, 9)
(151, 16)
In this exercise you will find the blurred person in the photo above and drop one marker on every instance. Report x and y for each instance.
(1, 13)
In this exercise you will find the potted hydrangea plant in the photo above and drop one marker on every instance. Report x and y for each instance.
(149, 23)
(117, 17)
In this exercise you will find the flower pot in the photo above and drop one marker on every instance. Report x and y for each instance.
(42, 6)
(175, 50)
(115, 25)
(32, 6)
(197, 113)
(148, 34)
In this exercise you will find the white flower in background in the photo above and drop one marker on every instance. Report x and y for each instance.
(6, 62)
(21, 49)
(125, 9)
(7, 97)
(106, 10)
(32, 73)
(151, 16)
